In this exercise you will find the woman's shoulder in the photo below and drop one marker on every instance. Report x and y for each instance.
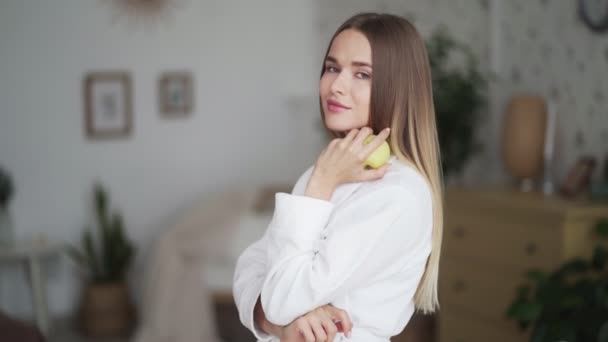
(405, 177)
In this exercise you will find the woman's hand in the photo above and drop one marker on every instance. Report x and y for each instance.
(320, 325)
(342, 161)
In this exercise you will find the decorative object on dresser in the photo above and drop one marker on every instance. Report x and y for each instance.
(548, 151)
(106, 307)
(599, 189)
(523, 138)
(491, 237)
(7, 190)
(579, 177)
(176, 94)
(569, 303)
(108, 105)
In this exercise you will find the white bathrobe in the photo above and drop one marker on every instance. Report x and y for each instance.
(363, 251)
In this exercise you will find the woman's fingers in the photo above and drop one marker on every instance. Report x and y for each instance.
(305, 330)
(363, 133)
(350, 136)
(330, 328)
(342, 317)
(318, 330)
(376, 142)
(373, 174)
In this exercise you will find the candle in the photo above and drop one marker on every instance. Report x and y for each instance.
(549, 148)
(550, 131)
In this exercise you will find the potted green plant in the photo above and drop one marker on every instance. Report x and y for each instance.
(105, 255)
(6, 194)
(459, 94)
(569, 303)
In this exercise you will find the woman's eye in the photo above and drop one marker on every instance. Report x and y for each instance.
(362, 75)
(330, 68)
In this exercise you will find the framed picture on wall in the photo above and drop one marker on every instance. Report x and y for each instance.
(108, 107)
(176, 93)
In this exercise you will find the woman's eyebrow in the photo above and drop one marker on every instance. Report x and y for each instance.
(355, 63)
(364, 64)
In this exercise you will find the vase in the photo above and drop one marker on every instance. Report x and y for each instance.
(7, 234)
(107, 310)
(524, 138)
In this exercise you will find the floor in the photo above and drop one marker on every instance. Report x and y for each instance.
(419, 329)
(65, 331)
(229, 328)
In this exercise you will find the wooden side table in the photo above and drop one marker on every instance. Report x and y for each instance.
(33, 253)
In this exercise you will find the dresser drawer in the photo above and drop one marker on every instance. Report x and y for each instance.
(460, 326)
(491, 241)
(487, 292)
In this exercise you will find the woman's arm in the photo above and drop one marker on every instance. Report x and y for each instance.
(265, 325)
(318, 322)
(247, 286)
(312, 260)
(249, 276)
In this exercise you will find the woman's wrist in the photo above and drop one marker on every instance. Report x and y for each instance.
(318, 187)
(265, 325)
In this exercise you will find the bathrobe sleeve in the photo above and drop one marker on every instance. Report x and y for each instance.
(250, 272)
(247, 285)
(316, 252)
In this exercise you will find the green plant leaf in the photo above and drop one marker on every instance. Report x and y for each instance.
(599, 258)
(89, 251)
(562, 331)
(458, 95)
(572, 301)
(539, 333)
(106, 249)
(601, 228)
(601, 294)
(536, 275)
(525, 311)
(577, 265)
(602, 335)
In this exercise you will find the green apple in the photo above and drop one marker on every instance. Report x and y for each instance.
(380, 156)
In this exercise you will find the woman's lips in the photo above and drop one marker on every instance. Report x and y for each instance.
(336, 107)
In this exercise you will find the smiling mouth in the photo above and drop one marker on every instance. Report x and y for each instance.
(336, 107)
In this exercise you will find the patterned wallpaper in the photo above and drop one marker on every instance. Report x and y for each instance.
(548, 50)
(544, 49)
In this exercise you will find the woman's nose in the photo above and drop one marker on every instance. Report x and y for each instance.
(340, 84)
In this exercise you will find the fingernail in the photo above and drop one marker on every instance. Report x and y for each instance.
(387, 129)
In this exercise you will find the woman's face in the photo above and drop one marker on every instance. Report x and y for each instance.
(345, 87)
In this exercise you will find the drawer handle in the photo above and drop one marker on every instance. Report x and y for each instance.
(531, 248)
(458, 286)
(459, 232)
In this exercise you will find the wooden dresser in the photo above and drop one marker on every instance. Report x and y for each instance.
(491, 237)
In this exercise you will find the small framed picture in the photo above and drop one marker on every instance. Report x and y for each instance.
(579, 177)
(108, 105)
(176, 93)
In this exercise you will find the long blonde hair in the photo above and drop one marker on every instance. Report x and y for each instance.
(402, 98)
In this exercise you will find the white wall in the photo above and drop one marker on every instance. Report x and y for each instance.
(248, 68)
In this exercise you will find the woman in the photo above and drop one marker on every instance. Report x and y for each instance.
(353, 252)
